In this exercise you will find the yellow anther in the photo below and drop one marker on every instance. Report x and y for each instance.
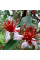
(24, 29)
(26, 34)
(29, 24)
(27, 37)
(21, 33)
(24, 24)
(28, 40)
(24, 40)
(30, 34)
(19, 24)
(12, 19)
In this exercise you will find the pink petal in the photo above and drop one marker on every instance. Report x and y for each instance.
(7, 36)
(24, 45)
(17, 28)
(34, 42)
(17, 36)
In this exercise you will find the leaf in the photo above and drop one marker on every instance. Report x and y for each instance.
(7, 12)
(33, 21)
(0, 12)
(38, 11)
(0, 44)
(2, 38)
(38, 43)
(19, 14)
(11, 44)
(5, 16)
(27, 20)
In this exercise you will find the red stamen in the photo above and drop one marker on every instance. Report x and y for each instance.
(10, 26)
(29, 33)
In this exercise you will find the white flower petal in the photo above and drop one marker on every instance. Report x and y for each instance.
(39, 24)
(16, 33)
(17, 28)
(7, 36)
(34, 42)
(11, 13)
(17, 36)
(9, 18)
(24, 45)
(33, 39)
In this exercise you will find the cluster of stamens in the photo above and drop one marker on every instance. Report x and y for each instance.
(10, 25)
(29, 33)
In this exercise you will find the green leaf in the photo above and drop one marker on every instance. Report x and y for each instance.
(27, 20)
(11, 44)
(38, 43)
(0, 44)
(19, 14)
(0, 12)
(33, 21)
(2, 38)
(7, 12)
(38, 11)
(5, 16)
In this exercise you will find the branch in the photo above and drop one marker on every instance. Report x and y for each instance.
(35, 17)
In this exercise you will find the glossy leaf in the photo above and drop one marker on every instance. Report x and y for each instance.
(26, 20)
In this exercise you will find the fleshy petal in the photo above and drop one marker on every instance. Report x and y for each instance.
(17, 28)
(24, 45)
(16, 33)
(17, 36)
(34, 42)
(7, 36)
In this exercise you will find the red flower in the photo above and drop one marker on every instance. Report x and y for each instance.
(10, 25)
(33, 12)
(29, 33)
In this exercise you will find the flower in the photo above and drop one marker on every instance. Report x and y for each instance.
(28, 35)
(10, 25)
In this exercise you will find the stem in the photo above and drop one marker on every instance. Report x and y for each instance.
(11, 35)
